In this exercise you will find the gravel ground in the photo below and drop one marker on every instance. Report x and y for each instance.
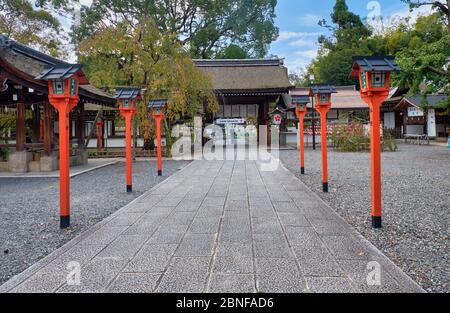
(416, 204)
(29, 209)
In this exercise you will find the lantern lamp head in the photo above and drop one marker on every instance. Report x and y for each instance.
(127, 97)
(374, 72)
(322, 93)
(157, 106)
(300, 102)
(63, 79)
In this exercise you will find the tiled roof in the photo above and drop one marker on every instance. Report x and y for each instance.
(160, 103)
(374, 64)
(61, 71)
(322, 88)
(127, 93)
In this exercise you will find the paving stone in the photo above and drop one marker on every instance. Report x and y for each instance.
(345, 247)
(152, 258)
(196, 245)
(168, 234)
(232, 283)
(205, 225)
(293, 219)
(285, 206)
(210, 211)
(237, 205)
(278, 276)
(330, 285)
(358, 272)
(272, 249)
(170, 201)
(52, 276)
(328, 227)
(127, 219)
(124, 247)
(134, 283)
(104, 235)
(185, 275)
(96, 276)
(180, 218)
(188, 205)
(213, 201)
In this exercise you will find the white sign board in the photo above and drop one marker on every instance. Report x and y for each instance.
(431, 123)
(277, 119)
(223, 121)
(415, 112)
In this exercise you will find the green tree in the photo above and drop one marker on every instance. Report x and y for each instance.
(206, 28)
(335, 53)
(140, 55)
(30, 26)
(442, 7)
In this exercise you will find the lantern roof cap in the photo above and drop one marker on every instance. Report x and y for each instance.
(62, 71)
(157, 103)
(300, 99)
(322, 89)
(374, 64)
(127, 93)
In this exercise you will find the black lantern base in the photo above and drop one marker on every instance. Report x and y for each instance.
(376, 221)
(325, 187)
(159, 172)
(129, 188)
(302, 171)
(64, 221)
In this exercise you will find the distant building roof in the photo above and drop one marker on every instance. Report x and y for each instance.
(22, 64)
(346, 98)
(246, 76)
(433, 100)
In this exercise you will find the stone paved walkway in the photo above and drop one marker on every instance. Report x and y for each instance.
(218, 226)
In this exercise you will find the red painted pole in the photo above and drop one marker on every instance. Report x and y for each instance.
(375, 161)
(301, 116)
(64, 164)
(159, 148)
(323, 109)
(129, 161)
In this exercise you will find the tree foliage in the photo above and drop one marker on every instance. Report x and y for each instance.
(30, 26)
(139, 55)
(204, 27)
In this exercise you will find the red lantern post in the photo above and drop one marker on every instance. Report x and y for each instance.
(127, 98)
(157, 107)
(374, 76)
(99, 134)
(322, 94)
(63, 81)
(300, 103)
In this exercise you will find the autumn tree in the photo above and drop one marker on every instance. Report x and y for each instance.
(442, 6)
(20, 21)
(138, 54)
(203, 27)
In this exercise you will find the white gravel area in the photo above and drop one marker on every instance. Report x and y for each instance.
(29, 209)
(416, 204)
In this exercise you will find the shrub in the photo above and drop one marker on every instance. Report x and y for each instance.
(350, 138)
(3, 154)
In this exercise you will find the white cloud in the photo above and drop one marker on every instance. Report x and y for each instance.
(287, 35)
(310, 20)
(382, 22)
(300, 60)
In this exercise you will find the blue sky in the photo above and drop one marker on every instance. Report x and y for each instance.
(297, 21)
